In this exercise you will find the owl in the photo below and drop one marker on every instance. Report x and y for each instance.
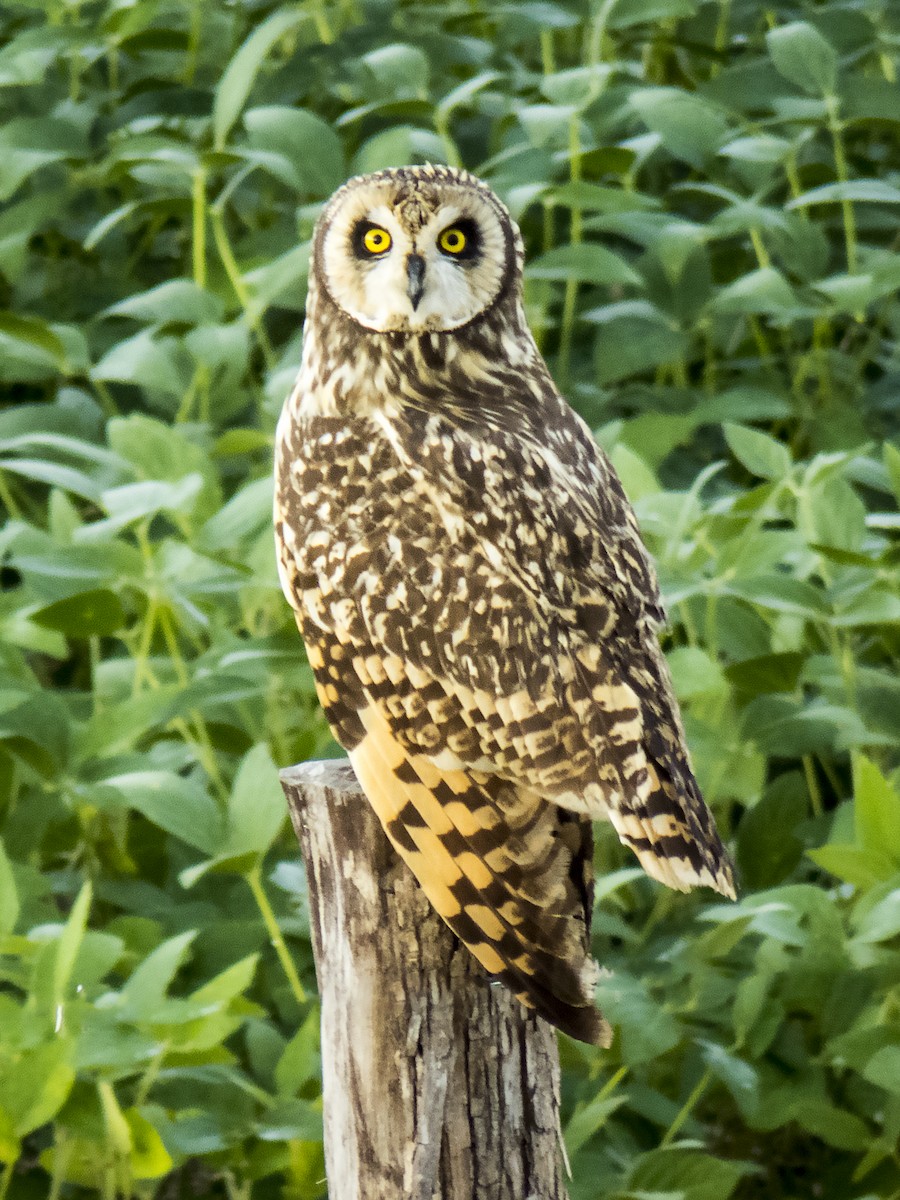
(478, 608)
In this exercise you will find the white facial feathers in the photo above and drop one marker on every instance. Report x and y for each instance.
(387, 289)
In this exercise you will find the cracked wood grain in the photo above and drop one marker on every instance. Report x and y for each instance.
(437, 1084)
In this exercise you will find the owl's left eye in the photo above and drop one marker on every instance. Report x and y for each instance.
(459, 240)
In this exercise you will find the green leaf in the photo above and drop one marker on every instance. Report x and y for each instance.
(589, 1119)
(760, 454)
(881, 923)
(686, 1172)
(877, 809)
(178, 301)
(398, 71)
(95, 613)
(149, 1158)
(866, 191)
(70, 942)
(626, 13)
(802, 55)
(307, 146)
(178, 805)
(9, 896)
(587, 263)
(228, 984)
(695, 673)
(256, 808)
(633, 338)
(690, 127)
(762, 291)
(781, 593)
(238, 77)
(853, 864)
(149, 983)
(769, 846)
(36, 1084)
(892, 466)
(144, 361)
(883, 1069)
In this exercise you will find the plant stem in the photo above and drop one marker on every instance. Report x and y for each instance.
(198, 209)
(686, 1109)
(254, 319)
(812, 784)
(570, 299)
(835, 125)
(271, 924)
(323, 27)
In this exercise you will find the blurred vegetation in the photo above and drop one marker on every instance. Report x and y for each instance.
(709, 194)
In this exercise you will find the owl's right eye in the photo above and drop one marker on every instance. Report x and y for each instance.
(371, 241)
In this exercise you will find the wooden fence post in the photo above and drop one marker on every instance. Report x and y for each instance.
(438, 1085)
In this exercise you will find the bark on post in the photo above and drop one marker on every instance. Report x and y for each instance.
(437, 1084)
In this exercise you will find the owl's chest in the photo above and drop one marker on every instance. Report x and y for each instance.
(357, 513)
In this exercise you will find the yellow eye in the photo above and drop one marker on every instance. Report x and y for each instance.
(453, 240)
(377, 241)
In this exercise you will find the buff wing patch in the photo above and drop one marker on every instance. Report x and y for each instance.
(500, 865)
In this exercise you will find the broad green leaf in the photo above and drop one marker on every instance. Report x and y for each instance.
(882, 922)
(589, 263)
(760, 454)
(149, 983)
(397, 147)
(398, 71)
(762, 291)
(256, 808)
(626, 13)
(695, 673)
(688, 1172)
(144, 361)
(877, 809)
(228, 984)
(9, 897)
(95, 613)
(149, 1158)
(782, 593)
(866, 191)
(892, 466)
(180, 806)
(589, 1119)
(177, 301)
(690, 127)
(802, 55)
(769, 843)
(36, 1084)
(70, 942)
(304, 142)
(883, 1069)
(238, 78)
(632, 340)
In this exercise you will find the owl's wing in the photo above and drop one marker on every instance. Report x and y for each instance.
(541, 602)
(510, 873)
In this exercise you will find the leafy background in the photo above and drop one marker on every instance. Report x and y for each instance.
(709, 193)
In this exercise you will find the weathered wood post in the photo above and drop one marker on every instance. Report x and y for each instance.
(437, 1084)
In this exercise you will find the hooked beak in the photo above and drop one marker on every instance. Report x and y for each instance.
(415, 279)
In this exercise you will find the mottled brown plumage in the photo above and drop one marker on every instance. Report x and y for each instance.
(477, 604)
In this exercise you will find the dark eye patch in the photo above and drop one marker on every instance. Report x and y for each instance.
(358, 239)
(472, 234)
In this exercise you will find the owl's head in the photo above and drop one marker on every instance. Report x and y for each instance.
(416, 249)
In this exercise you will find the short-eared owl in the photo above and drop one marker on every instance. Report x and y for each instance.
(477, 604)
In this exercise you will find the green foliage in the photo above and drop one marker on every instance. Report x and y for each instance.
(709, 196)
